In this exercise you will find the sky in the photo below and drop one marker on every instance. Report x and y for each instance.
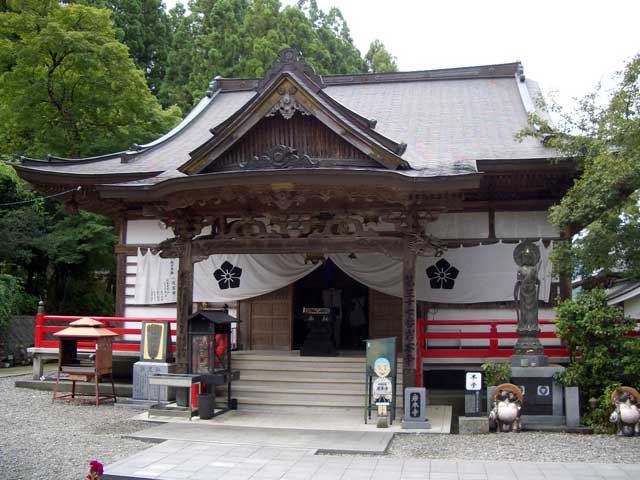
(568, 46)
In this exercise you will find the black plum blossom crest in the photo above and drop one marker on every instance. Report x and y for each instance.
(228, 276)
(442, 275)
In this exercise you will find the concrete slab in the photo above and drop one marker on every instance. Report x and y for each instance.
(369, 443)
(350, 420)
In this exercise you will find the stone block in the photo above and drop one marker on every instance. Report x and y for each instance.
(141, 388)
(490, 392)
(572, 406)
(473, 425)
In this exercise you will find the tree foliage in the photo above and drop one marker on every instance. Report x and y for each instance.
(67, 86)
(379, 60)
(241, 38)
(601, 354)
(603, 136)
(143, 26)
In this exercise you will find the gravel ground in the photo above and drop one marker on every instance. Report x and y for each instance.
(524, 447)
(44, 440)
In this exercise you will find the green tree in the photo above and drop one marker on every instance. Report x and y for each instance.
(241, 38)
(67, 86)
(603, 136)
(174, 89)
(143, 26)
(379, 60)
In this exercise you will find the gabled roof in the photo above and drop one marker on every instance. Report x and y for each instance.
(419, 124)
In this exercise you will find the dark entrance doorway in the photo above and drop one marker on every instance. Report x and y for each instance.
(330, 287)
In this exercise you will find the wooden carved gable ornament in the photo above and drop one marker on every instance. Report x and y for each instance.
(290, 106)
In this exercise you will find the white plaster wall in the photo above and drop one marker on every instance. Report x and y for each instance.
(460, 225)
(146, 232)
(632, 308)
(524, 224)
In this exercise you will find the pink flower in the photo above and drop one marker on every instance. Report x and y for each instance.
(96, 469)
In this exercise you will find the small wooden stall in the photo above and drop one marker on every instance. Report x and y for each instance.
(79, 368)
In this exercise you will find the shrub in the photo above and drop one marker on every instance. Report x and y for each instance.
(600, 354)
(496, 373)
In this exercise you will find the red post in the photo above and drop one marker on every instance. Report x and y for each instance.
(38, 339)
(493, 340)
(420, 346)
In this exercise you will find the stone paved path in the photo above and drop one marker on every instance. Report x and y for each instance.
(193, 460)
(316, 440)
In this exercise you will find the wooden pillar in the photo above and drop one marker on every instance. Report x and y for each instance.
(565, 287)
(408, 316)
(185, 229)
(121, 265)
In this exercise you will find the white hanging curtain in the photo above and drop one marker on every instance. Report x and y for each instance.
(219, 278)
(227, 278)
(485, 273)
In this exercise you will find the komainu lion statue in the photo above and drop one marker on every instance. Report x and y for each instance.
(626, 413)
(507, 405)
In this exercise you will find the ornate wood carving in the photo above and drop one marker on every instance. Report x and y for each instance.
(280, 156)
(290, 59)
(287, 106)
(306, 134)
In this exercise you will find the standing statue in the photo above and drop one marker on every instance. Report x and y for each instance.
(525, 293)
(626, 414)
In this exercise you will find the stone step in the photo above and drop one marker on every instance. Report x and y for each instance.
(300, 389)
(323, 384)
(304, 375)
(291, 401)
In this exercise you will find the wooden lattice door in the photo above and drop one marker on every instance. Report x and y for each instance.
(270, 320)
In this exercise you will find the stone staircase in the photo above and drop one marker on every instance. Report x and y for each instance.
(269, 380)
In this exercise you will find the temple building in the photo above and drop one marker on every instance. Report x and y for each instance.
(383, 197)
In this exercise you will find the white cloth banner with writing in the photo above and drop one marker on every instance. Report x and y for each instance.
(486, 273)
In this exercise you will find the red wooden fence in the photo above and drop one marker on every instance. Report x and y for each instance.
(54, 323)
(490, 333)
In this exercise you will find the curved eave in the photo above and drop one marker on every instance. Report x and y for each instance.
(557, 163)
(48, 177)
(288, 179)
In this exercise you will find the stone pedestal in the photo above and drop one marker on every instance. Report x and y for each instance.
(572, 406)
(543, 396)
(141, 388)
(415, 408)
(473, 425)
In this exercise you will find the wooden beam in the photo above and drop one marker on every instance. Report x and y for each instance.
(202, 248)
(185, 229)
(408, 316)
(121, 265)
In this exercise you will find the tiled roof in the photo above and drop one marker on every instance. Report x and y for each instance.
(447, 123)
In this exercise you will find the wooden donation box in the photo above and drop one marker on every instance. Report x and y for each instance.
(321, 335)
(81, 334)
(209, 353)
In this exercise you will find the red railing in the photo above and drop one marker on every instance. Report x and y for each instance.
(492, 334)
(54, 323)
